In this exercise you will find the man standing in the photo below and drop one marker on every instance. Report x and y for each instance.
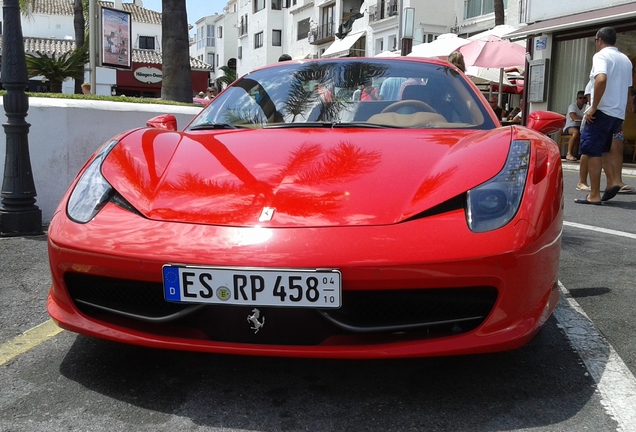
(573, 119)
(611, 78)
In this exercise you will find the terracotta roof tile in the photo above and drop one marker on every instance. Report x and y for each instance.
(65, 7)
(60, 46)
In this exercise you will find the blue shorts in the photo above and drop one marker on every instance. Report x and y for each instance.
(596, 138)
(566, 130)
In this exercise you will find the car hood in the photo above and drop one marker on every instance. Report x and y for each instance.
(300, 177)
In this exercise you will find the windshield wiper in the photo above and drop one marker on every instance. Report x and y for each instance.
(210, 126)
(328, 125)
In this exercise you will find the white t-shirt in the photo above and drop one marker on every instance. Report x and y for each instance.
(574, 108)
(618, 69)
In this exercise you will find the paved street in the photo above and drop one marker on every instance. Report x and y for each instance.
(577, 374)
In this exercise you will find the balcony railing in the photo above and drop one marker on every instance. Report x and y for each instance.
(383, 9)
(322, 32)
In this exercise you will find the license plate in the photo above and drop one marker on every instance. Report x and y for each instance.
(254, 287)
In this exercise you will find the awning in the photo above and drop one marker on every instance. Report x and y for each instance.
(591, 18)
(341, 47)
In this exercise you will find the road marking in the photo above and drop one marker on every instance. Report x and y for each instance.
(614, 380)
(28, 340)
(601, 230)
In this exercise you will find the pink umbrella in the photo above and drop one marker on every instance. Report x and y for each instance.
(493, 52)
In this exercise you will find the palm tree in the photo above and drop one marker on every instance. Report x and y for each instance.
(79, 24)
(228, 78)
(25, 7)
(499, 12)
(177, 75)
(58, 68)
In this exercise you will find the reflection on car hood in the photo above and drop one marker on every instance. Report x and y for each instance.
(300, 177)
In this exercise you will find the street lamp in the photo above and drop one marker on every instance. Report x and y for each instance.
(408, 28)
(18, 213)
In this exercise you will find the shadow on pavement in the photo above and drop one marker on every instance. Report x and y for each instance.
(538, 385)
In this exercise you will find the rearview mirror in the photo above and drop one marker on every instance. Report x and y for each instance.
(165, 121)
(546, 122)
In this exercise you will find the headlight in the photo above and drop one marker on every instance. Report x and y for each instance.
(493, 204)
(92, 190)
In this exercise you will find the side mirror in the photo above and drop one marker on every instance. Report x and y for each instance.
(546, 122)
(165, 121)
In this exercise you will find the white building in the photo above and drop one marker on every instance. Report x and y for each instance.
(311, 28)
(49, 29)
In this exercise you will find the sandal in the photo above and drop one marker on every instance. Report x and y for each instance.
(627, 189)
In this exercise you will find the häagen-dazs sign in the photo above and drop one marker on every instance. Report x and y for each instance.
(148, 75)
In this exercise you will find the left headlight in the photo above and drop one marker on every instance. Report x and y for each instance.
(493, 204)
(92, 190)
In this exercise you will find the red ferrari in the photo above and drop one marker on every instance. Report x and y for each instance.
(342, 208)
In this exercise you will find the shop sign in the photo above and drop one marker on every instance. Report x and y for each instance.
(148, 75)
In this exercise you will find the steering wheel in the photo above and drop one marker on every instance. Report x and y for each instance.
(412, 103)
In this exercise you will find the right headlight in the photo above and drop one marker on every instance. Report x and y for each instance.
(493, 204)
(92, 191)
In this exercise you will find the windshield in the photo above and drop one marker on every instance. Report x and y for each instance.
(349, 92)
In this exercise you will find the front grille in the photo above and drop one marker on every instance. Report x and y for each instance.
(414, 313)
(127, 296)
(403, 308)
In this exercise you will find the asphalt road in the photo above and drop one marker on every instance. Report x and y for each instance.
(576, 375)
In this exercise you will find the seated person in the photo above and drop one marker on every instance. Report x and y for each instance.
(494, 104)
(573, 118)
(369, 93)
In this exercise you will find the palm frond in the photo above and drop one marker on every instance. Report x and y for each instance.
(58, 68)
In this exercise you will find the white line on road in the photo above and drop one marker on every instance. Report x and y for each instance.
(615, 382)
(601, 230)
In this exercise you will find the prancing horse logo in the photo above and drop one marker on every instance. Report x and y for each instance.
(266, 214)
(256, 324)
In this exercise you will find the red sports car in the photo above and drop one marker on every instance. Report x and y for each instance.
(294, 217)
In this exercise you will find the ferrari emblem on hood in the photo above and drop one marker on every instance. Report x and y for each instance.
(253, 319)
(267, 214)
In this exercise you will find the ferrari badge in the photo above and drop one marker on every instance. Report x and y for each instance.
(267, 214)
(253, 319)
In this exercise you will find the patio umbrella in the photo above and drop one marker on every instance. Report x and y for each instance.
(481, 75)
(493, 52)
(387, 54)
(440, 47)
(499, 31)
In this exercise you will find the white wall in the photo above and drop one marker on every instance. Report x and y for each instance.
(538, 10)
(65, 132)
(48, 26)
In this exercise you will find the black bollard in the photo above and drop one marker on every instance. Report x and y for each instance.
(18, 213)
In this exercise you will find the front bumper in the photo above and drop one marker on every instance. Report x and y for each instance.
(438, 253)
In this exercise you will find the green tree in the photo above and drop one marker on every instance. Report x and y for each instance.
(500, 16)
(177, 75)
(58, 68)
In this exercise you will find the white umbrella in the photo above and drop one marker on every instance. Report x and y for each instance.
(499, 31)
(481, 75)
(388, 54)
(440, 47)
